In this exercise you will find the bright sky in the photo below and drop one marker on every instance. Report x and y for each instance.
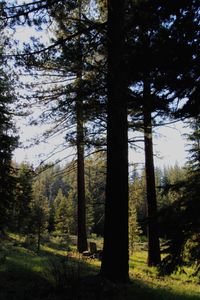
(169, 145)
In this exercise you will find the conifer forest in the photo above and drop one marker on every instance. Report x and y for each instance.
(91, 81)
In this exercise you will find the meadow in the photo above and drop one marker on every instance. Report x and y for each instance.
(56, 273)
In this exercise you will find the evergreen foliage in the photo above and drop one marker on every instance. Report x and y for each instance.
(22, 198)
(107, 64)
(39, 212)
(63, 213)
(8, 142)
(134, 228)
(182, 214)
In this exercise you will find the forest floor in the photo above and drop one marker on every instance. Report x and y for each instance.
(55, 274)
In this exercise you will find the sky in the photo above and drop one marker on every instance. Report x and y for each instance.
(169, 145)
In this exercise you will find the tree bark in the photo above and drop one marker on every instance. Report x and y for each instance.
(152, 227)
(115, 252)
(39, 238)
(82, 235)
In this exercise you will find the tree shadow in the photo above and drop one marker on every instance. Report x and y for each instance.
(23, 275)
(21, 279)
(20, 283)
(95, 287)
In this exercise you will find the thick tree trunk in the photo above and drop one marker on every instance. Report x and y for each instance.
(152, 229)
(82, 235)
(115, 251)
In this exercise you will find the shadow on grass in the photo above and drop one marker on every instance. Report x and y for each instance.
(19, 283)
(138, 289)
(22, 278)
(25, 276)
(97, 288)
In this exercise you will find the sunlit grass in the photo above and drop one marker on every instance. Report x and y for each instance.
(178, 283)
(24, 267)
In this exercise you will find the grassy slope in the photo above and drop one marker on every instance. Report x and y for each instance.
(22, 276)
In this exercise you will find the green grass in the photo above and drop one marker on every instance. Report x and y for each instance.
(176, 286)
(25, 275)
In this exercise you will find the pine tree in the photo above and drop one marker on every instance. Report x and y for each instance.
(63, 213)
(152, 226)
(72, 100)
(115, 263)
(95, 192)
(134, 228)
(180, 221)
(23, 197)
(39, 212)
(159, 77)
(8, 142)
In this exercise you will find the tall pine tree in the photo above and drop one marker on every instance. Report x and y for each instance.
(8, 142)
(115, 252)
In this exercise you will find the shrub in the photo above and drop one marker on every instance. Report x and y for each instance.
(63, 273)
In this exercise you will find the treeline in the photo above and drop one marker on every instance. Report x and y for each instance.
(51, 193)
(45, 200)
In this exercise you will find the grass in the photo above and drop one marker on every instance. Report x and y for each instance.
(177, 286)
(27, 275)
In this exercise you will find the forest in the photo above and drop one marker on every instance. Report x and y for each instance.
(98, 78)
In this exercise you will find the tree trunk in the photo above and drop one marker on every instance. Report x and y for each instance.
(152, 229)
(115, 251)
(82, 235)
(39, 238)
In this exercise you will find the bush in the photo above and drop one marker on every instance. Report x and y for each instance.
(62, 240)
(63, 273)
(30, 242)
(46, 237)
